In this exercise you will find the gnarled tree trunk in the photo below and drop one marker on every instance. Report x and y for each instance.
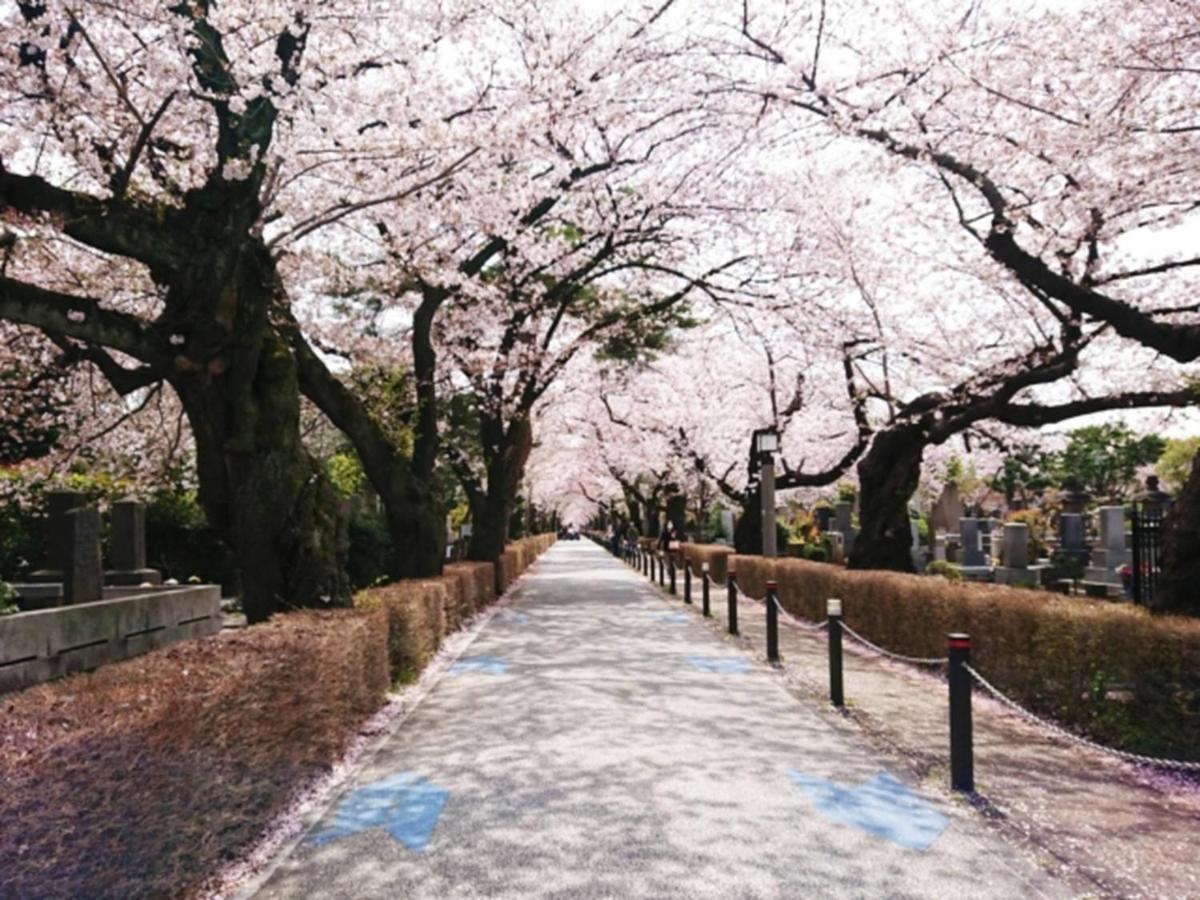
(236, 376)
(888, 477)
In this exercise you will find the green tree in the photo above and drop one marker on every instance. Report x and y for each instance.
(1027, 472)
(1105, 458)
(1175, 464)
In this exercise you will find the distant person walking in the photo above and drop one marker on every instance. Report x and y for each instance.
(670, 541)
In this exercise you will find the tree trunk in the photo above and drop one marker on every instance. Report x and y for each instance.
(1177, 592)
(416, 523)
(262, 492)
(505, 452)
(747, 532)
(677, 512)
(888, 477)
(237, 378)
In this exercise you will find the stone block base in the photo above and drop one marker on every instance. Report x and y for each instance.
(45, 644)
(132, 577)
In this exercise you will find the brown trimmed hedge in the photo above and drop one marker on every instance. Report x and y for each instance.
(1109, 670)
(144, 777)
(519, 556)
(421, 611)
(716, 555)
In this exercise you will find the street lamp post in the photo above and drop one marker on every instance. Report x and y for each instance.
(766, 443)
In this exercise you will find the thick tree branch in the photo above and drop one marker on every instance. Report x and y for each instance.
(81, 318)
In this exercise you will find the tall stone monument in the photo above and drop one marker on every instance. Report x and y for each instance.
(947, 510)
(972, 544)
(83, 575)
(58, 505)
(129, 546)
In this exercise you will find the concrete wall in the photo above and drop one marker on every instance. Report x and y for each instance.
(49, 643)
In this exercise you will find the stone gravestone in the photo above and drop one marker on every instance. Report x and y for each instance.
(129, 546)
(823, 516)
(58, 504)
(915, 549)
(1112, 553)
(972, 547)
(948, 509)
(841, 523)
(727, 525)
(1016, 545)
(1016, 569)
(1070, 534)
(83, 576)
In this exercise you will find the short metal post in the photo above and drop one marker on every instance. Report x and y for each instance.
(687, 580)
(731, 584)
(704, 591)
(772, 623)
(833, 615)
(962, 753)
(671, 570)
(662, 571)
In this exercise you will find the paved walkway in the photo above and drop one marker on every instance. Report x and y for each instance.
(597, 741)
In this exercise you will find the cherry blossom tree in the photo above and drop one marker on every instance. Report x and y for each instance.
(148, 148)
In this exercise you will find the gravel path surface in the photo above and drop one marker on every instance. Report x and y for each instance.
(598, 741)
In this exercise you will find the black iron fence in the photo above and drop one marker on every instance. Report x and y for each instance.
(1147, 533)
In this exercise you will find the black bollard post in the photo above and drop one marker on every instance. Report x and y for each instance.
(962, 753)
(772, 623)
(671, 569)
(687, 580)
(662, 571)
(833, 614)
(731, 584)
(704, 591)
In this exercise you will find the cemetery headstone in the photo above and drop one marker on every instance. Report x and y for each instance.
(1070, 532)
(971, 543)
(1111, 553)
(915, 549)
(129, 546)
(83, 576)
(1017, 569)
(947, 510)
(841, 523)
(727, 523)
(58, 504)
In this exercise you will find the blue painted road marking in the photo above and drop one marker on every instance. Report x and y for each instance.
(881, 806)
(406, 805)
(722, 665)
(489, 665)
(672, 617)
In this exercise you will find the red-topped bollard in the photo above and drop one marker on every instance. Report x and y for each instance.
(962, 751)
(731, 586)
(772, 622)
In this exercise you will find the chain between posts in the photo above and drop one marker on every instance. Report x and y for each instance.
(1073, 738)
(799, 623)
(915, 660)
(1054, 729)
